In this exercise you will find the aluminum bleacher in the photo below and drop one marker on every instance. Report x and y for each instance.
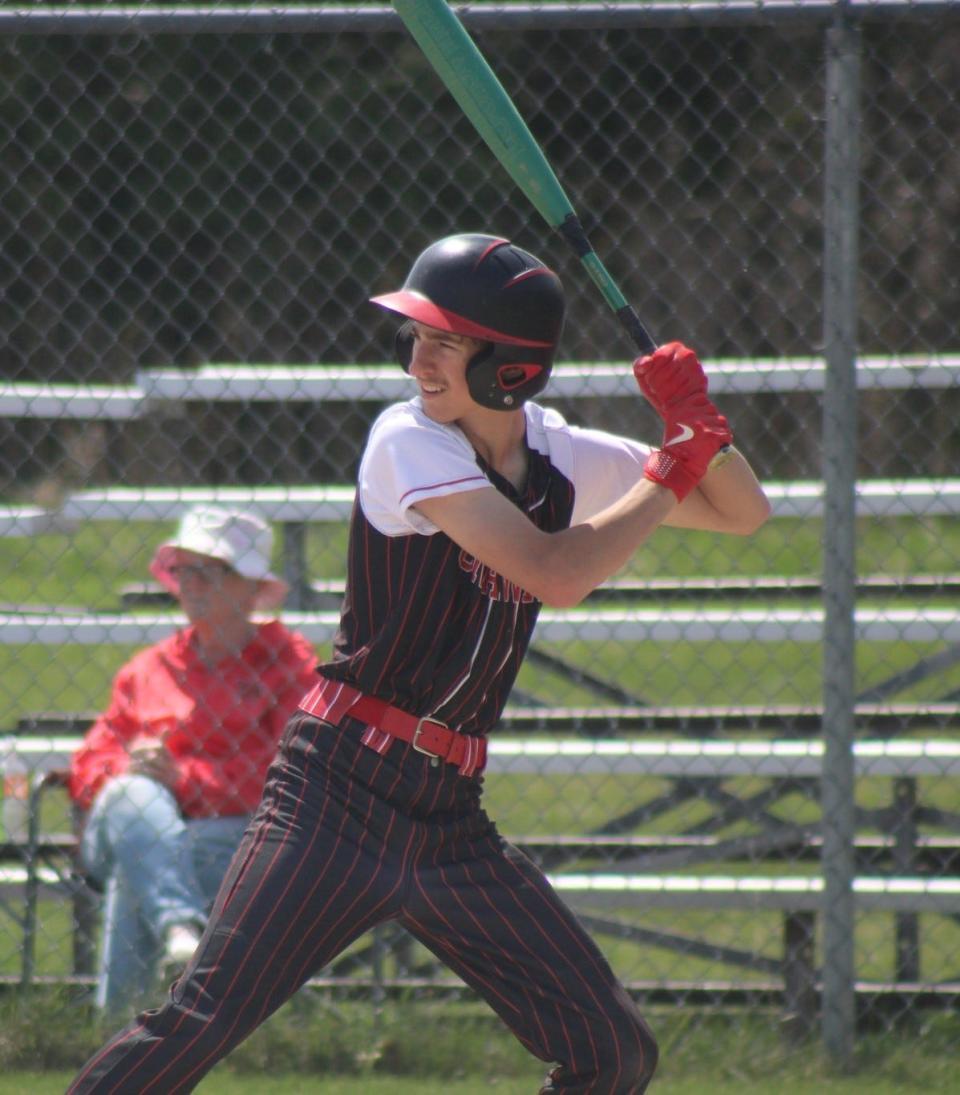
(310, 383)
(616, 868)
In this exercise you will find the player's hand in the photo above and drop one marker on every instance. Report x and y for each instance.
(695, 431)
(669, 376)
(149, 757)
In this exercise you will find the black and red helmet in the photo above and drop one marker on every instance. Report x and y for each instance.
(487, 288)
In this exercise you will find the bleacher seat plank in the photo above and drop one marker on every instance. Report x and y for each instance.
(917, 625)
(717, 759)
(936, 852)
(14, 875)
(742, 586)
(669, 759)
(328, 592)
(385, 382)
(110, 402)
(781, 721)
(885, 719)
(29, 521)
(333, 503)
(874, 498)
(789, 893)
(46, 753)
(302, 503)
(728, 376)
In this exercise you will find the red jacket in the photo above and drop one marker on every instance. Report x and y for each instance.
(220, 725)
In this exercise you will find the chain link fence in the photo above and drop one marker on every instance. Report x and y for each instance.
(195, 211)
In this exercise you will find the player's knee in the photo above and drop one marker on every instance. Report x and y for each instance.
(623, 1060)
(615, 1053)
(646, 1060)
(628, 1069)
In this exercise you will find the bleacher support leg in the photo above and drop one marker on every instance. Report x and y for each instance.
(85, 919)
(904, 863)
(800, 996)
(295, 564)
(31, 858)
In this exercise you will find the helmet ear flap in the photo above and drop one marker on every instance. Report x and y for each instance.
(502, 379)
(403, 344)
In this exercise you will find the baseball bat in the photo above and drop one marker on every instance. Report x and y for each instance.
(470, 80)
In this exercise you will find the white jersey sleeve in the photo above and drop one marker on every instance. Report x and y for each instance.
(602, 466)
(408, 458)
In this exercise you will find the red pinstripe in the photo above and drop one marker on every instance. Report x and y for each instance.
(482, 673)
(113, 1046)
(373, 916)
(357, 928)
(576, 939)
(521, 913)
(436, 488)
(414, 622)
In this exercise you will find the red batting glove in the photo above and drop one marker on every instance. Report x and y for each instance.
(694, 433)
(669, 376)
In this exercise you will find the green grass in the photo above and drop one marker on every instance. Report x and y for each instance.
(55, 1083)
(457, 1049)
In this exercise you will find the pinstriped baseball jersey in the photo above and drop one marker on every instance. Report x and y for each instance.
(425, 625)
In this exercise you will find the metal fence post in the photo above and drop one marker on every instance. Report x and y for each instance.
(841, 214)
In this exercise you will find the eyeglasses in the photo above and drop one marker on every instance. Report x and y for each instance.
(203, 572)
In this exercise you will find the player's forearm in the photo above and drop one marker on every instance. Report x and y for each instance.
(579, 558)
(728, 499)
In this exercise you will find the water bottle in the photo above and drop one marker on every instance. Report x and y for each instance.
(16, 794)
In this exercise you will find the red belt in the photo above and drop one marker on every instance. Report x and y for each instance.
(332, 700)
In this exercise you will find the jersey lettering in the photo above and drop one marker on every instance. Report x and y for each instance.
(491, 584)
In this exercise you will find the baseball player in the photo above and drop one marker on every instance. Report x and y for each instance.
(474, 507)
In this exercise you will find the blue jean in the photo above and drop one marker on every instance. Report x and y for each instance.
(156, 870)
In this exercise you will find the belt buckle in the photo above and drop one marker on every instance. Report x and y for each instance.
(419, 730)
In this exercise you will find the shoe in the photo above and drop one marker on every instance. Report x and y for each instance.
(179, 943)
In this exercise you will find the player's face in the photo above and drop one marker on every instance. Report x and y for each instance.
(439, 366)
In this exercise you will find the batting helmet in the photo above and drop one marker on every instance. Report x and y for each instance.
(489, 289)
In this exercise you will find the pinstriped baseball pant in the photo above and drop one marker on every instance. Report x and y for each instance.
(346, 839)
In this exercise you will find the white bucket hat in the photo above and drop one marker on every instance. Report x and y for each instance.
(241, 540)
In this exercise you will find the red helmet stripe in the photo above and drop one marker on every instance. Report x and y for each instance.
(494, 245)
(529, 274)
(414, 305)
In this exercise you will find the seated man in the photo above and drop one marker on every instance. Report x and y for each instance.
(172, 771)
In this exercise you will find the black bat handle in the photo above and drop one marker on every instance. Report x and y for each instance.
(636, 330)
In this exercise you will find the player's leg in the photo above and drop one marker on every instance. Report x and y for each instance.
(498, 923)
(306, 881)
